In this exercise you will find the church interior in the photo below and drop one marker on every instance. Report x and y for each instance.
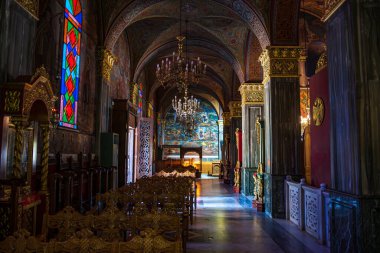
(189, 126)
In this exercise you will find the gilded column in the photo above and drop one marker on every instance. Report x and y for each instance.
(235, 114)
(105, 61)
(252, 95)
(282, 123)
(45, 157)
(19, 124)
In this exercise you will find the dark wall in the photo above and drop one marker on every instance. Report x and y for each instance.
(320, 135)
(17, 40)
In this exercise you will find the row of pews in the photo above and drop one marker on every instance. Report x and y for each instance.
(76, 182)
(151, 215)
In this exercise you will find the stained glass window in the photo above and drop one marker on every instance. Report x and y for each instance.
(140, 101)
(70, 64)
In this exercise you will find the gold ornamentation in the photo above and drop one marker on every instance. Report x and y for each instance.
(252, 93)
(331, 6)
(258, 184)
(41, 71)
(258, 132)
(318, 111)
(322, 62)
(39, 89)
(21, 241)
(235, 109)
(226, 118)
(280, 61)
(19, 127)
(31, 6)
(134, 93)
(12, 101)
(45, 157)
(107, 60)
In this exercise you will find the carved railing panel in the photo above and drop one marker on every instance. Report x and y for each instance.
(306, 206)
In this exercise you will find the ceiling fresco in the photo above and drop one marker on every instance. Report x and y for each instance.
(228, 35)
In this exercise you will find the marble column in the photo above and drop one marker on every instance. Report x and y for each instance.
(353, 54)
(252, 107)
(105, 61)
(282, 123)
(226, 146)
(235, 113)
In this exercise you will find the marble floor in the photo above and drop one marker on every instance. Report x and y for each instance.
(225, 222)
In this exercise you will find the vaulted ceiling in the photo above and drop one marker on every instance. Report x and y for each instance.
(228, 35)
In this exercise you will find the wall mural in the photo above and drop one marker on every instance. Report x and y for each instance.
(205, 134)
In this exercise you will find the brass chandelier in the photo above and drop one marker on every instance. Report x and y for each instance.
(185, 108)
(179, 71)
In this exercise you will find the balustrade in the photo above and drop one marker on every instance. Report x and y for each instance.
(307, 207)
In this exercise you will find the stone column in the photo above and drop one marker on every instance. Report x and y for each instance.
(105, 61)
(252, 107)
(282, 123)
(353, 55)
(235, 113)
(226, 146)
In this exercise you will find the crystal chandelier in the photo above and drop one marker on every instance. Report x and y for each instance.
(185, 108)
(179, 71)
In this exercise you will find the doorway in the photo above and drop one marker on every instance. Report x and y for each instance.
(130, 156)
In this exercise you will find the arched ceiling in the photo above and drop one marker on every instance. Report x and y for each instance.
(228, 35)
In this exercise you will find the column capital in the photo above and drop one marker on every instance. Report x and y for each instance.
(252, 93)
(235, 109)
(106, 61)
(226, 118)
(280, 61)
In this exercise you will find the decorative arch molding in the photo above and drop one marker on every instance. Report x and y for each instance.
(222, 51)
(20, 97)
(239, 7)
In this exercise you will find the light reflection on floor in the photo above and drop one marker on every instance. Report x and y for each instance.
(225, 222)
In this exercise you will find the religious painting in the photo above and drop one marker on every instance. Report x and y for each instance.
(205, 133)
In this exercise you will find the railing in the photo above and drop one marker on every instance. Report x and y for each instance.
(307, 207)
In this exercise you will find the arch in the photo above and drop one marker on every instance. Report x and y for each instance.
(184, 150)
(134, 9)
(39, 112)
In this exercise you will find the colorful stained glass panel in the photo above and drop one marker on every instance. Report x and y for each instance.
(70, 64)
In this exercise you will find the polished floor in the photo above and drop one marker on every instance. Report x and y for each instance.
(225, 222)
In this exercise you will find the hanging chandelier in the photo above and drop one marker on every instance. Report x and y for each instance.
(179, 71)
(186, 108)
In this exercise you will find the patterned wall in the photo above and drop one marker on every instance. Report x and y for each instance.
(205, 134)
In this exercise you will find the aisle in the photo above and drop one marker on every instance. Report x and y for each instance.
(225, 222)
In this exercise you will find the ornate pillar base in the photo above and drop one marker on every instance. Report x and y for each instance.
(274, 192)
(247, 185)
